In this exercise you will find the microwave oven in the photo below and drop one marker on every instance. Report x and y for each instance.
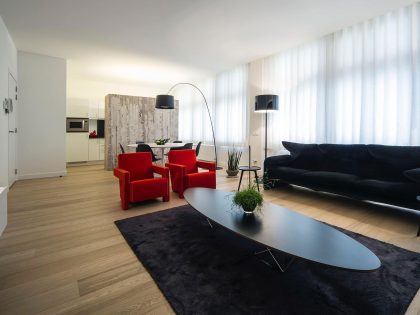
(77, 125)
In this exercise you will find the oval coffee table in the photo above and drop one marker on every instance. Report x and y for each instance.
(284, 230)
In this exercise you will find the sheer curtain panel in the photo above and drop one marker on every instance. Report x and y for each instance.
(358, 85)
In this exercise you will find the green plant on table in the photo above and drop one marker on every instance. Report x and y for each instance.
(248, 199)
(161, 141)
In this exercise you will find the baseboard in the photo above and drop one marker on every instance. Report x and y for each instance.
(42, 175)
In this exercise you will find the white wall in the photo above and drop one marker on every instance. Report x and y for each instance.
(42, 111)
(88, 90)
(8, 63)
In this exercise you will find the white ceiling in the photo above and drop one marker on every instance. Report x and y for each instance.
(164, 41)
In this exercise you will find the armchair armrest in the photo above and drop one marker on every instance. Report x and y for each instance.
(176, 167)
(122, 174)
(124, 179)
(211, 166)
(413, 175)
(164, 171)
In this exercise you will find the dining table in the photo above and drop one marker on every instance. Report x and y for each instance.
(153, 145)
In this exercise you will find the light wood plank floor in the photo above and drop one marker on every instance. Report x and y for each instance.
(62, 254)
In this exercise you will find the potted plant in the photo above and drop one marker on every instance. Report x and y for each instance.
(161, 141)
(248, 199)
(234, 156)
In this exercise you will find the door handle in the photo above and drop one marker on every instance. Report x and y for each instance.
(11, 131)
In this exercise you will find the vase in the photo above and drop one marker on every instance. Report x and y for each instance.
(232, 172)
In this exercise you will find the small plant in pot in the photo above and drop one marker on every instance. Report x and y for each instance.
(248, 199)
(234, 156)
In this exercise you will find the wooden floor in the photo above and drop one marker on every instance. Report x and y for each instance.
(61, 252)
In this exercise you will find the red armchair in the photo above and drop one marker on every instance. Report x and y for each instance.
(183, 167)
(137, 182)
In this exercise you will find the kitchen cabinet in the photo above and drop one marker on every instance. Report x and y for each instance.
(101, 149)
(96, 149)
(93, 149)
(77, 147)
(77, 107)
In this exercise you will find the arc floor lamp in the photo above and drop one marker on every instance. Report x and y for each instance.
(266, 103)
(166, 101)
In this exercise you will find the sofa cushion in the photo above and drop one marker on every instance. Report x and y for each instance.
(305, 156)
(388, 190)
(394, 160)
(347, 158)
(413, 174)
(329, 179)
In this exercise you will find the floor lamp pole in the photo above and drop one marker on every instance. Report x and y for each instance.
(208, 111)
(266, 116)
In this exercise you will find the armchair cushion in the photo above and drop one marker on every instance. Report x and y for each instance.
(186, 158)
(203, 179)
(148, 189)
(138, 164)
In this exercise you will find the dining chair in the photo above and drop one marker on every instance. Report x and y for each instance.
(197, 149)
(122, 148)
(187, 146)
(142, 147)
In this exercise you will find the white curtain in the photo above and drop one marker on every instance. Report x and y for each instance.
(194, 123)
(358, 85)
(226, 95)
(231, 111)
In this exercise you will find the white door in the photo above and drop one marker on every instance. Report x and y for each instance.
(12, 129)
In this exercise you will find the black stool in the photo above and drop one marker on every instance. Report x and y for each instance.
(249, 169)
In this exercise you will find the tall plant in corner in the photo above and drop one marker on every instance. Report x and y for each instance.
(234, 156)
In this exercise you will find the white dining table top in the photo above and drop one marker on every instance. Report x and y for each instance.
(163, 146)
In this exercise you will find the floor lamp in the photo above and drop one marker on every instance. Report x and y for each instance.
(166, 101)
(266, 103)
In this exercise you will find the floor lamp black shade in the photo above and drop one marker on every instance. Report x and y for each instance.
(266, 103)
(166, 101)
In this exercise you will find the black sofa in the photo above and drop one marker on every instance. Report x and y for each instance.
(385, 174)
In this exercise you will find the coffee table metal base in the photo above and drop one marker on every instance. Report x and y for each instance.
(277, 264)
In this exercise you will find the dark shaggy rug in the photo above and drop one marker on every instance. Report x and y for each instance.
(201, 270)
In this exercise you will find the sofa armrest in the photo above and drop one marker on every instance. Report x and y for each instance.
(211, 166)
(278, 160)
(164, 171)
(413, 175)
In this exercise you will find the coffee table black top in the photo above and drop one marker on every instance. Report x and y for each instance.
(284, 230)
(249, 168)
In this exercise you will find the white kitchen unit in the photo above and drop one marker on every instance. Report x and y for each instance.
(77, 107)
(101, 149)
(77, 147)
(96, 149)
